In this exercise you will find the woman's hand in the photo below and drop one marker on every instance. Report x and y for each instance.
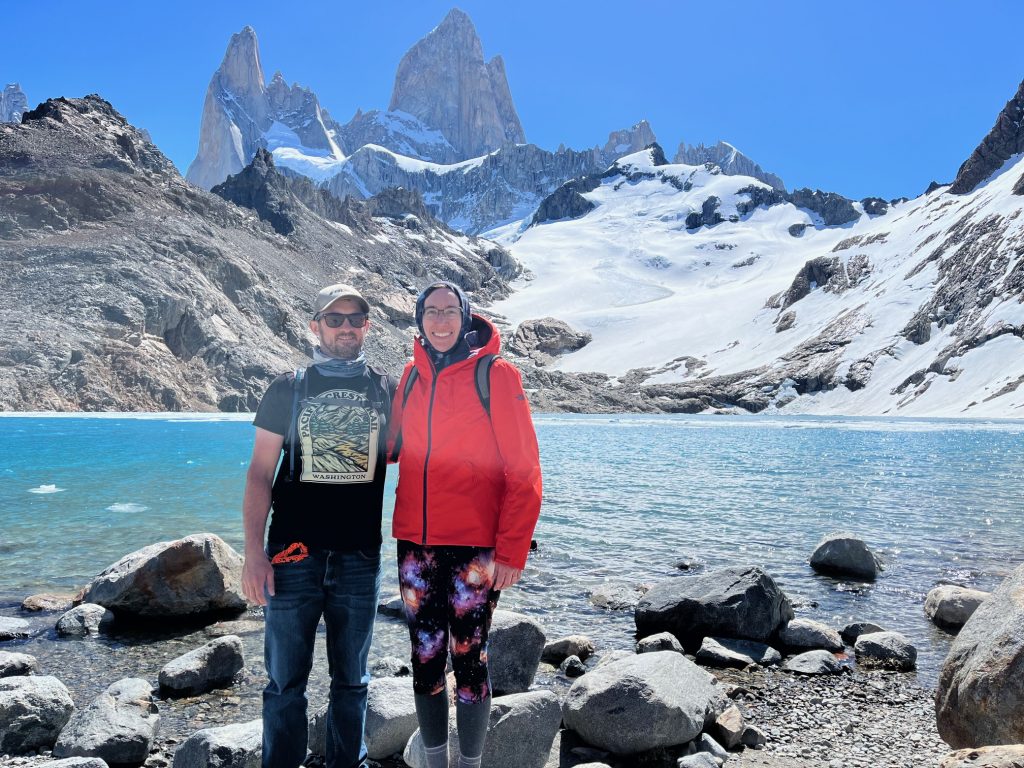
(506, 575)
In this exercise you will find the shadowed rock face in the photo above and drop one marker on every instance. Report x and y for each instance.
(1004, 140)
(444, 81)
(130, 289)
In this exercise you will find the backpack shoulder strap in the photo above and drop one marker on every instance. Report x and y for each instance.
(410, 381)
(293, 427)
(483, 381)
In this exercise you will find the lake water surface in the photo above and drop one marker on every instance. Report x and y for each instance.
(625, 499)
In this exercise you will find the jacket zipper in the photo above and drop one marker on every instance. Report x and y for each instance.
(426, 458)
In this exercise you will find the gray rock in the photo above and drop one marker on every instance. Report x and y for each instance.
(118, 726)
(13, 629)
(48, 602)
(855, 629)
(390, 716)
(239, 745)
(547, 338)
(616, 597)
(818, 662)
(652, 700)
(12, 664)
(886, 649)
(392, 606)
(32, 712)
(77, 762)
(834, 210)
(729, 727)
(729, 159)
(572, 666)
(1001, 756)
(805, 633)
(1005, 140)
(616, 655)
(194, 575)
(567, 202)
(83, 620)
(712, 747)
(844, 554)
(210, 666)
(390, 666)
(979, 698)
(556, 651)
(698, 760)
(520, 732)
(514, 645)
(753, 737)
(662, 641)
(729, 652)
(950, 606)
(734, 602)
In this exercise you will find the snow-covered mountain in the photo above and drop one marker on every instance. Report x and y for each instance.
(13, 104)
(728, 158)
(702, 289)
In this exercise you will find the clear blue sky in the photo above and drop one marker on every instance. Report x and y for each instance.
(864, 98)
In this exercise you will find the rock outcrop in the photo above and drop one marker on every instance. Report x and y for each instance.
(13, 103)
(729, 159)
(627, 141)
(444, 82)
(545, 339)
(1005, 140)
(118, 726)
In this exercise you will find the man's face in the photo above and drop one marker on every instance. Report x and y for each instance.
(442, 319)
(346, 341)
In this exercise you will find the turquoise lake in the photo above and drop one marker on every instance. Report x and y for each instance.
(625, 499)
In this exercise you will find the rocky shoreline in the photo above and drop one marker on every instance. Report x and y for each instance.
(844, 708)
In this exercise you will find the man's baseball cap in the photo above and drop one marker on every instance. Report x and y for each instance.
(332, 293)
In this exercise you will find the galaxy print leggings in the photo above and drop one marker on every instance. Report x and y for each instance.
(448, 605)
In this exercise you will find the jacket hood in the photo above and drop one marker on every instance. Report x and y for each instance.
(483, 337)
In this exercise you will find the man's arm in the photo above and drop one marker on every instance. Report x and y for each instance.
(257, 572)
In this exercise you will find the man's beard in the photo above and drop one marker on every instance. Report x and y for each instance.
(342, 349)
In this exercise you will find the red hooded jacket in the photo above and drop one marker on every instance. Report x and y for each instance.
(465, 479)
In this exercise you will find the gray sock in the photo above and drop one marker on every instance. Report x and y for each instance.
(437, 757)
(432, 714)
(472, 722)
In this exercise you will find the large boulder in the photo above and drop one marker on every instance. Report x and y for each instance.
(806, 633)
(78, 762)
(32, 712)
(843, 554)
(652, 700)
(731, 602)
(13, 629)
(979, 699)
(118, 726)
(83, 620)
(729, 652)
(210, 666)
(514, 645)
(194, 575)
(239, 745)
(855, 629)
(890, 650)
(950, 606)
(1002, 756)
(520, 732)
(559, 650)
(12, 664)
(662, 641)
(390, 716)
(818, 662)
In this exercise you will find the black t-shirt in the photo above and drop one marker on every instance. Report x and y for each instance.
(334, 499)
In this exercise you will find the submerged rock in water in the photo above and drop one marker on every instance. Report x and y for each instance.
(846, 555)
(950, 606)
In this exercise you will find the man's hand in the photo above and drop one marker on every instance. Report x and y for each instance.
(257, 573)
(505, 575)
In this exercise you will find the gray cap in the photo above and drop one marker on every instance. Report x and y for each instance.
(332, 293)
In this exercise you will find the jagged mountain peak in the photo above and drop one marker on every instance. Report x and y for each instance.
(727, 157)
(1000, 144)
(444, 82)
(628, 140)
(241, 66)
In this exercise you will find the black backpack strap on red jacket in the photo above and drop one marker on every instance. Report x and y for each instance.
(293, 425)
(410, 380)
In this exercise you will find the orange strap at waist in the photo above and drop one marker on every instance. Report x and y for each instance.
(293, 553)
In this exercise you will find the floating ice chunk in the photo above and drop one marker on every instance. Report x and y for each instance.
(46, 489)
(127, 506)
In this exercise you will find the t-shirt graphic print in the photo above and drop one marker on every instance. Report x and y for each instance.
(339, 432)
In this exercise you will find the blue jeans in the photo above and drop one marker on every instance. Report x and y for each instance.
(342, 587)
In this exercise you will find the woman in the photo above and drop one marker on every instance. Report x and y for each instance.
(469, 493)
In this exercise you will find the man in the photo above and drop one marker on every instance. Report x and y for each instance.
(322, 556)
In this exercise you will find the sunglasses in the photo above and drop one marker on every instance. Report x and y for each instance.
(337, 319)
